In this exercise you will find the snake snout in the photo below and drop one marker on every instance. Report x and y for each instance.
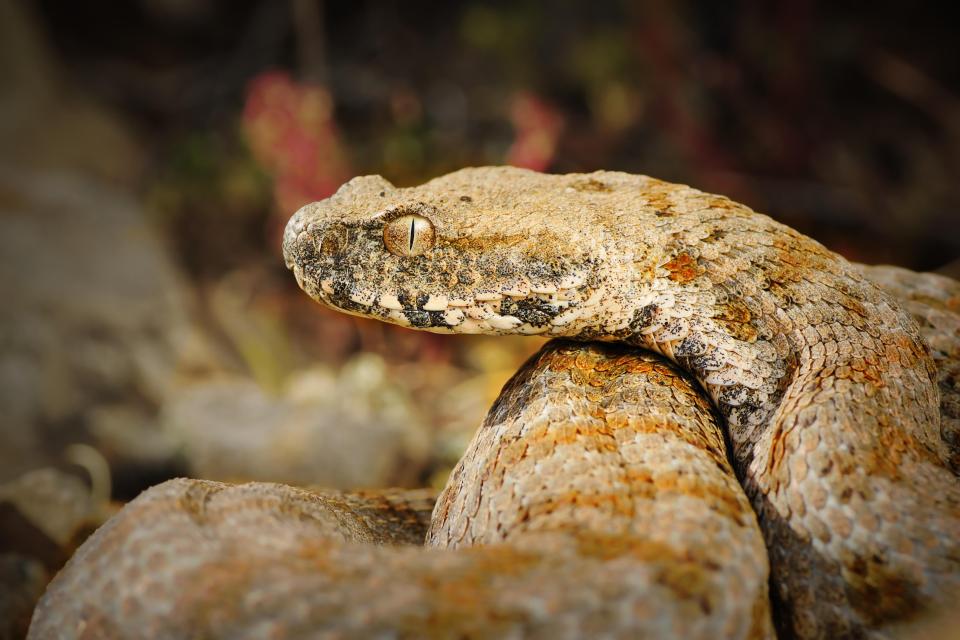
(306, 232)
(291, 233)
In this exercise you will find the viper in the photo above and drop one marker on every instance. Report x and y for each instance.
(729, 406)
(827, 392)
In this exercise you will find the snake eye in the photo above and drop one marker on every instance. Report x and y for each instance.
(408, 235)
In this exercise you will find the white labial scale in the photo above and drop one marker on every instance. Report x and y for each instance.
(594, 298)
(473, 325)
(516, 290)
(567, 317)
(571, 296)
(530, 330)
(477, 312)
(436, 303)
(365, 298)
(543, 289)
(398, 318)
(504, 323)
(390, 301)
(453, 316)
(571, 282)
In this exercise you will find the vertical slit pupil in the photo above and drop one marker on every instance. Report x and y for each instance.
(413, 226)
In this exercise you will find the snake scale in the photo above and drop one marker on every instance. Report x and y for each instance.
(600, 497)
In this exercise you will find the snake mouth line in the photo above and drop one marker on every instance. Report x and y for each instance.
(530, 309)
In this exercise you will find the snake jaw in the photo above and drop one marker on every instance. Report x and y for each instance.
(515, 308)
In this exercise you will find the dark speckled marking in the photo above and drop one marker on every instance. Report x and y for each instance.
(341, 297)
(643, 318)
(592, 185)
(701, 365)
(505, 269)
(418, 318)
(535, 312)
(412, 302)
(690, 346)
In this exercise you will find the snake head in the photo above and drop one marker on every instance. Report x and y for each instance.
(458, 254)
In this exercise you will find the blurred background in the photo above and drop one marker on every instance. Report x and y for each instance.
(152, 151)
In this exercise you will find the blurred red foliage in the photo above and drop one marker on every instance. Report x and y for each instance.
(538, 126)
(291, 132)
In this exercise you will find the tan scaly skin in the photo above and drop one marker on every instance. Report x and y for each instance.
(595, 501)
(828, 393)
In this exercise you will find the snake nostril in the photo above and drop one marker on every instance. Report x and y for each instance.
(329, 245)
(333, 241)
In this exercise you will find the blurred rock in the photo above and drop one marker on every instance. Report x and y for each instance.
(46, 123)
(346, 430)
(95, 313)
(22, 580)
(129, 434)
(44, 515)
(54, 502)
(243, 304)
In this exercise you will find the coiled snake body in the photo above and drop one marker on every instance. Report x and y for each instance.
(603, 468)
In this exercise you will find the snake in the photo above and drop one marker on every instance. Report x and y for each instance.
(737, 433)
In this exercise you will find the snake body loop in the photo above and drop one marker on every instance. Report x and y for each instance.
(596, 500)
(828, 393)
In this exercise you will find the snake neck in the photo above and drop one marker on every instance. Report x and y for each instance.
(783, 338)
(745, 361)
